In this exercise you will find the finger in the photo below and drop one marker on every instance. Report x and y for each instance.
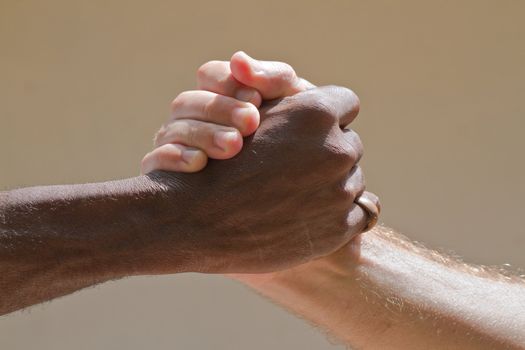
(354, 185)
(172, 157)
(271, 79)
(216, 76)
(359, 218)
(373, 198)
(339, 103)
(353, 140)
(217, 141)
(211, 107)
(357, 221)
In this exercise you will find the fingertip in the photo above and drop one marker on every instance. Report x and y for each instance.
(145, 164)
(252, 122)
(246, 119)
(236, 148)
(240, 57)
(272, 79)
(174, 157)
(241, 67)
(161, 158)
(194, 160)
(230, 144)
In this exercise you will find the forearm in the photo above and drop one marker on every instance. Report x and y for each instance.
(55, 240)
(384, 292)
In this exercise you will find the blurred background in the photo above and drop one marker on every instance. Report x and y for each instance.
(85, 84)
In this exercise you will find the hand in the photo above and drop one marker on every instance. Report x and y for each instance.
(269, 78)
(286, 199)
(211, 123)
(238, 78)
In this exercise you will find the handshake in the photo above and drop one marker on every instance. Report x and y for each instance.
(294, 193)
(278, 206)
(282, 188)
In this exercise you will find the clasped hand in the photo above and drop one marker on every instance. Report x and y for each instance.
(283, 175)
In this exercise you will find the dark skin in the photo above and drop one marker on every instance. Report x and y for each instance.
(287, 198)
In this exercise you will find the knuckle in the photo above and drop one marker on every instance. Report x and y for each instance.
(182, 131)
(344, 93)
(215, 76)
(318, 104)
(163, 154)
(159, 136)
(357, 145)
(208, 109)
(285, 72)
(190, 135)
(355, 184)
(345, 99)
(343, 193)
(320, 107)
(340, 156)
(315, 114)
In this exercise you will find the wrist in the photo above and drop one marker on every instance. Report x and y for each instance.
(149, 235)
(170, 234)
(299, 285)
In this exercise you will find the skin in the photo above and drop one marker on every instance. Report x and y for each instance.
(200, 118)
(256, 212)
(380, 291)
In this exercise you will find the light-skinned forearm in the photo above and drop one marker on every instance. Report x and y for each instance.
(383, 292)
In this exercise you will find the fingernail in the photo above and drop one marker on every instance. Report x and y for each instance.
(224, 139)
(243, 118)
(189, 155)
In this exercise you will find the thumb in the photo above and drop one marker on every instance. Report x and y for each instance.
(271, 79)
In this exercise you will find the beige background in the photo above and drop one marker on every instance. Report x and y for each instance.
(84, 85)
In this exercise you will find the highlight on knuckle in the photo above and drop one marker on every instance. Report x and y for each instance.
(321, 108)
(357, 101)
(181, 131)
(190, 134)
(344, 193)
(159, 136)
(340, 156)
(286, 72)
(357, 145)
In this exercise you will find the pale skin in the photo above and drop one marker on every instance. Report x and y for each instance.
(380, 291)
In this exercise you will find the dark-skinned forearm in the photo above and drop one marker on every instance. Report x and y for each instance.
(55, 240)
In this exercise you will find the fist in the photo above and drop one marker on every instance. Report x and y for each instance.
(286, 198)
